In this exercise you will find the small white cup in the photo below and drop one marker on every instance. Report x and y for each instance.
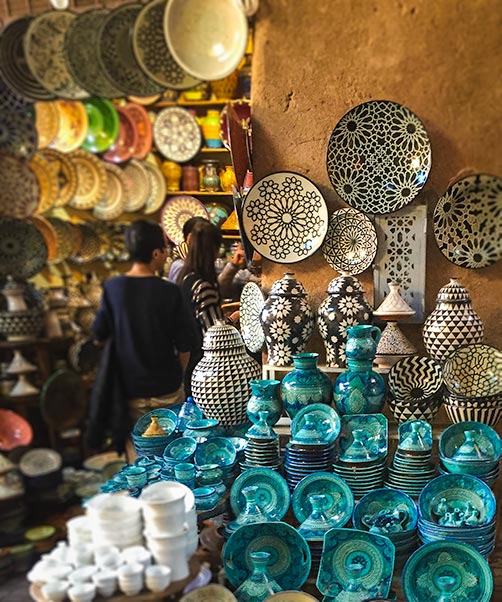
(157, 577)
(105, 582)
(83, 574)
(137, 554)
(82, 592)
(130, 577)
(55, 591)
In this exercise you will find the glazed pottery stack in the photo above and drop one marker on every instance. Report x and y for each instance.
(411, 467)
(154, 431)
(115, 520)
(20, 367)
(263, 445)
(221, 452)
(457, 507)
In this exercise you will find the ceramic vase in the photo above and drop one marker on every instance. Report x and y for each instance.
(345, 306)
(228, 179)
(14, 293)
(305, 385)
(220, 381)
(265, 397)
(453, 323)
(172, 172)
(210, 177)
(287, 320)
(190, 179)
(259, 585)
(210, 125)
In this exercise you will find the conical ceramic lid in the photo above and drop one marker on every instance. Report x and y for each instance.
(394, 307)
(23, 387)
(453, 292)
(20, 365)
(222, 336)
(394, 342)
(288, 286)
(345, 285)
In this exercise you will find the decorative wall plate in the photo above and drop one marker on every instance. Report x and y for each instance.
(46, 123)
(40, 461)
(273, 494)
(116, 56)
(252, 302)
(158, 187)
(177, 134)
(112, 203)
(47, 231)
(103, 125)
(15, 431)
(125, 143)
(19, 192)
(73, 124)
(90, 246)
(23, 252)
(139, 187)
(468, 221)
(91, 177)
(415, 378)
(242, 108)
(44, 46)
(64, 232)
(18, 135)
(47, 181)
(176, 212)
(285, 217)
(351, 241)
(152, 52)
(143, 127)
(474, 371)
(10, 100)
(63, 399)
(66, 175)
(379, 156)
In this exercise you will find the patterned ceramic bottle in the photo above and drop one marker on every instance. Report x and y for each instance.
(265, 396)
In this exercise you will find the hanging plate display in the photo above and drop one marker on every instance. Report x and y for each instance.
(351, 241)
(139, 186)
(143, 127)
(73, 125)
(103, 125)
(66, 175)
(252, 302)
(47, 231)
(177, 134)
(285, 217)
(65, 238)
(19, 192)
(89, 248)
(44, 47)
(379, 156)
(158, 188)
(47, 181)
(242, 108)
(46, 123)
(91, 178)
(63, 400)
(18, 135)
(10, 100)
(23, 251)
(468, 221)
(123, 147)
(113, 202)
(177, 211)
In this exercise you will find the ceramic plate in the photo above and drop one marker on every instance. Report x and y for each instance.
(340, 498)
(23, 251)
(73, 124)
(92, 180)
(138, 185)
(177, 134)
(10, 100)
(89, 249)
(209, 593)
(289, 564)
(40, 461)
(18, 135)
(143, 127)
(474, 371)
(343, 548)
(66, 175)
(487, 441)
(216, 450)
(374, 431)
(208, 42)
(49, 234)
(44, 48)
(351, 241)
(252, 302)
(123, 148)
(46, 123)
(447, 568)
(468, 221)
(242, 108)
(273, 492)
(176, 212)
(324, 416)
(285, 217)
(158, 188)
(47, 182)
(103, 125)
(152, 52)
(63, 400)
(114, 200)
(395, 506)
(65, 237)
(379, 157)
(20, 191)
(15, 431)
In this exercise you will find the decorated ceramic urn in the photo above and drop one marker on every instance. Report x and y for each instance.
(220, 381)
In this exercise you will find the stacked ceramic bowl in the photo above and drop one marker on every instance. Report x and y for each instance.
(150, 441)
(458, 507)
(115, 520)
(219, 451)
(473, 378)
(262, 449)
(471, 448)
(179, 450)
(79, 530)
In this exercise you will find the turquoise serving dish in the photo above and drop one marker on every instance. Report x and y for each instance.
(181, 449)
(386, 512)
(167, 419)
(363, 438)
(273, 494)
(217, 450)
(487, 443)
(325, 418)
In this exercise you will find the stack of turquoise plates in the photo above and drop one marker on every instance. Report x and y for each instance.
(262, 448)
(150, 446)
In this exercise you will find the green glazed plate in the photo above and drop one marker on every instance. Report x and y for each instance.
(103, 127)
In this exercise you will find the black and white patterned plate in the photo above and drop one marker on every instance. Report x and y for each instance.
(18, 134)
(468, 221)
(23, 252)
(177, 134)
(379, 156)
(252, 302)
(285, 217)
(474, 371)
(415, 378)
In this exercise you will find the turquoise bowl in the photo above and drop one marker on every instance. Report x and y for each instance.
(454, 436)
(217, 450)
(206, 498)
(167, 419)
(181, 449)
(393, 512)
(136, 476)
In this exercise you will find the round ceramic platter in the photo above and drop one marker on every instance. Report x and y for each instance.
(351, 241)
(143, 127)
(114, 200)
(466, 572)
(73, 124)
(81, 54)
(125, 144)
(384, 501)
(47, 181)
(91, 177)
(474, 371)
(116, 56)
(208, 42)
(23, 251)
(66, 174)
(340, 500)
(103, 125)
(242, 108)
(487, 440)
(289, 562)
(177, 134)
(344, 547)
(46, 123)
(18, 135)
(158, 188)
(65, 235)
(44, 48)
(252, 302)
(151, 50)
(327, 421)
(49, 234)
(273, 492)
(10, 100)
(468, 221)
(379, 157)
(415, 378)
(176, 212)
(285, 217)
(20, 191)
(209, 593)
(40, 461)
(63, 400)
(90, 246)
(139, 187)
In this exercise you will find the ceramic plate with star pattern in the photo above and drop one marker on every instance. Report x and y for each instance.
(176, 212)
(252, 302)
(177, 134)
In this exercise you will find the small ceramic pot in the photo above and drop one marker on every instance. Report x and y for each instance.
(157, 578)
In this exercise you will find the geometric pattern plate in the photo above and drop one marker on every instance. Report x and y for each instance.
(92, 180)
(112, 203)
(176, 212)
(379, 156)
(252, 302)
(474, 371)
(285, 217)
(351, 241)
(158, 187)
(468, 221)
(66, 174)
(20, 191)
(139, 185)
(23, 251)
(177, 134)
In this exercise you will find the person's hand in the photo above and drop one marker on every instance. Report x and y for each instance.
(238, 258)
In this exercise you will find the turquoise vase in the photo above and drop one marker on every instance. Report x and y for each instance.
(305, 385)
(265, 396)
(259, 585)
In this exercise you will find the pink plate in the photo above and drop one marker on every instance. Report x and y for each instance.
(125, 145)
(143, 127)
(14, 430)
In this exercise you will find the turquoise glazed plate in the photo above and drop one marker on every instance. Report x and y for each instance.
(273, 494)
(447, 570)
(181, 449)
(364, 438)
(325, 417)
(217, 450)
(356, 559)
(385, 512)
(340, 499)
(289, 563)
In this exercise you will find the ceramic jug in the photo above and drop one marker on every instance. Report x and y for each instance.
(265, 396)
(362, 342)
(210, 125)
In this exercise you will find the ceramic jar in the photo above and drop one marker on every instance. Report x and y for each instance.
(220, 381)
(218, 213)
(265, 397)
(210, 125)
(228, 179)
(305, 385)
(210, 177)
(172, 172)
(453, 323)
(345, 306)
(287, 320)
(190, 179)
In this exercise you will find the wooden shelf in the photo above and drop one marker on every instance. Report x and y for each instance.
(198, 193)
(207, 149)
(193, 103)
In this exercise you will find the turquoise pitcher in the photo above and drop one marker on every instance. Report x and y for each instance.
(362, 341)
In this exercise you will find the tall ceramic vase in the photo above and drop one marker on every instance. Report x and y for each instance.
(453, 323)
(265, 397)
(287, 320)
(220, 381)
(345, 306)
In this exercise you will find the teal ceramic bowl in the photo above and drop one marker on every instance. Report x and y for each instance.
(206, 498)
(217, 450)
(385, 511)
(487, 441)
(181, 449)
(167, 419)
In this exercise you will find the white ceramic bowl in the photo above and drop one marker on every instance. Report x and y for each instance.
(157, 577)
(158, 493)
(82, 592)
(83, 574)
(105, 582)
(113, 506)
(55, 591)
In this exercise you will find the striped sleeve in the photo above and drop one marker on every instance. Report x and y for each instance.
(206, 302)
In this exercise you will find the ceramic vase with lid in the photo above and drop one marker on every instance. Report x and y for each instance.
(287, 320)
(265, 397)
(210, 177)
(453, 323)
(305, 385)
(345, 306)
(259, 585)
(220, 381)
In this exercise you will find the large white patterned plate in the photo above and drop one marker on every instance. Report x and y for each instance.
(176, 212)
(114, 200)
(285, 217)
(177, 134)
(252, 302)
(158, 188)
(351, 241)
(379, 156)
(468, 221)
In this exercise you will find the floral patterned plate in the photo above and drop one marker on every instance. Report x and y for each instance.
(177, 134)
(73, 124)
(65, 238)
(158, 187)
(20, 191)
(23, 251)
(66, 175)
(252, 302)
(139, 187)
(273, 494)
(114, 200)
(123, 147)
(285, 217)
(46, 122)
(139, 117)
(47, 182)
(176, 212)
(18, 135)
(92, 180)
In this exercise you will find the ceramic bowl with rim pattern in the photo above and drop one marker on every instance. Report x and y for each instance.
(415, 378)
(474, 371)
(217, 450)
(385, 512)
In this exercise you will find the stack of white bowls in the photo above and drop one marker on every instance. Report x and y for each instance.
(170, 525)
(115, 520)
(79, 531)
(130, 578)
